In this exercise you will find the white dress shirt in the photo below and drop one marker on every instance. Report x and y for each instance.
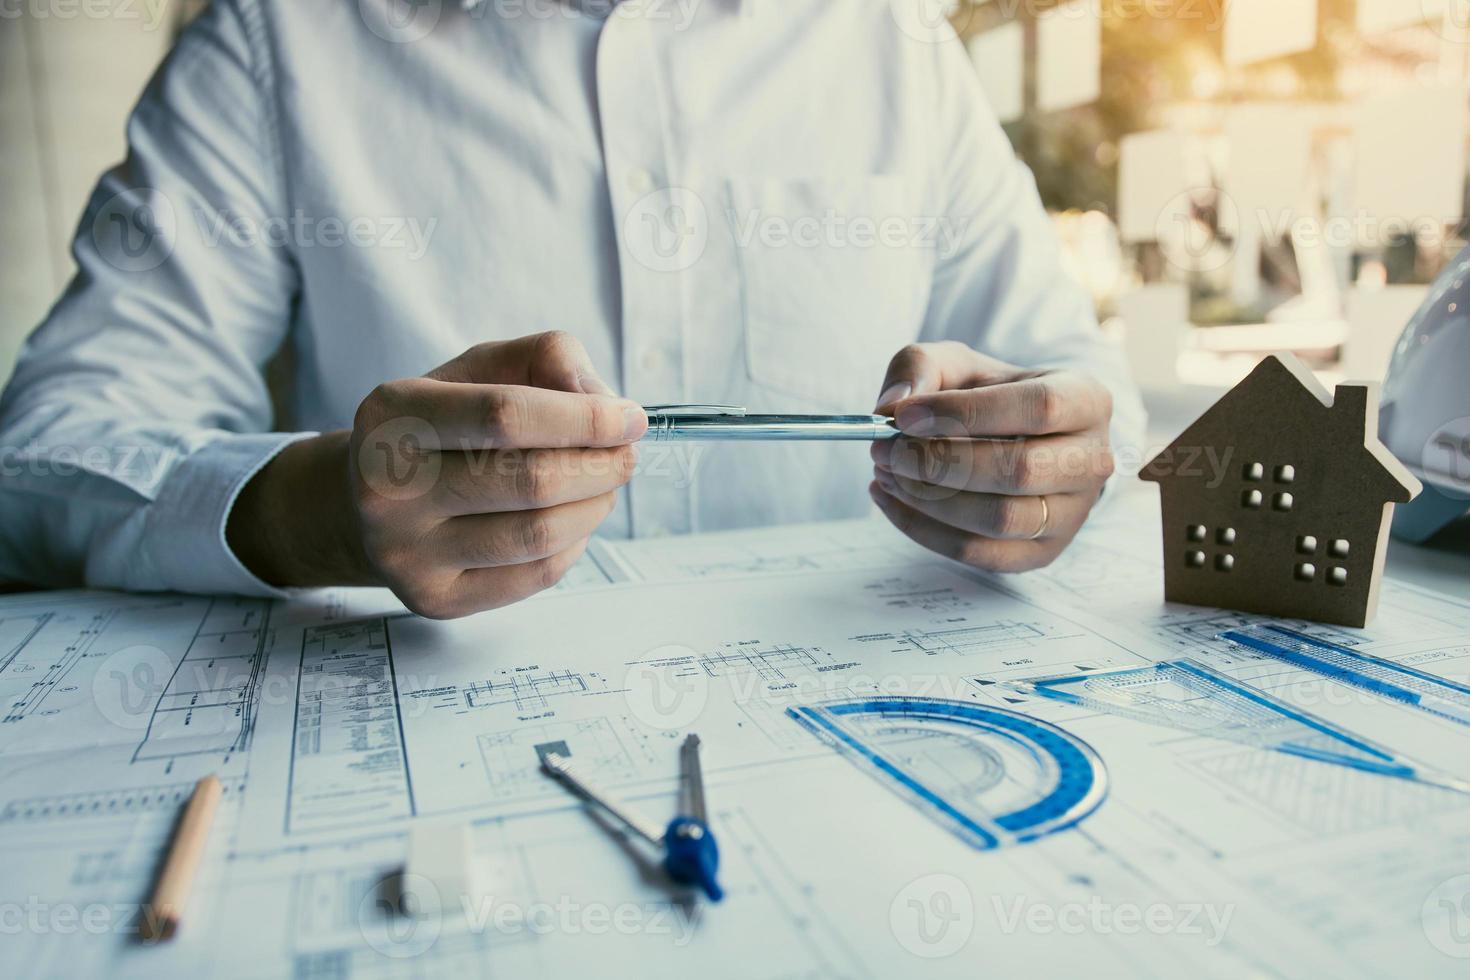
(730, 201)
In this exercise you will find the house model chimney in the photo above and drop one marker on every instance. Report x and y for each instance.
(1355, 406)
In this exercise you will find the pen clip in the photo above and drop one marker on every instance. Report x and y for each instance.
(690, 411)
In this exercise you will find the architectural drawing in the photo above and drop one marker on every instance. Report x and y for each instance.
(359, 721)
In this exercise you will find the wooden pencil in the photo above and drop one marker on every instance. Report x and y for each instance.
(171, 892)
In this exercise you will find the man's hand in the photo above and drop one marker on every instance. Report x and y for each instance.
(470, 488)
(958, 483)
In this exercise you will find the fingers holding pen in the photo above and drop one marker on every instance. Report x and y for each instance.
(1048, 464)
(452, 416)
(496, 481)
(976, 550)
(1001, 516)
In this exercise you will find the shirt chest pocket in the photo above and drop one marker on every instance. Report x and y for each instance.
(834, 278)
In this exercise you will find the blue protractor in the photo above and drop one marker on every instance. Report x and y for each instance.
(992, 776)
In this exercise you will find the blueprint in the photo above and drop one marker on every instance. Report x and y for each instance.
(338, 722)
(397, 718)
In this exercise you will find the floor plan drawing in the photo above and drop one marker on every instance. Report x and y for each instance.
(208, 704)
(767, 662)
(387, 731)
(513, 757)
(966, 640)
(167, 797)
(16, 632)
(347, 764)
(340, 725)
(529, 690)
(76, 671)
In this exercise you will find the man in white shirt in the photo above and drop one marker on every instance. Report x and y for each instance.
(446, 234)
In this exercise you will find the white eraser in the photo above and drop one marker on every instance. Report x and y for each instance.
(440, 871)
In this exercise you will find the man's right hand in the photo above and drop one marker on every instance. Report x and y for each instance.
(473, 487)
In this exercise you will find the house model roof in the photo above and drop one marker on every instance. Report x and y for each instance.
(1280, 411)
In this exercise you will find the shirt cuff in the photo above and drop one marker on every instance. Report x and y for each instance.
(184, 533)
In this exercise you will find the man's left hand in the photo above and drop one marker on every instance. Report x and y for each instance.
(998, 466)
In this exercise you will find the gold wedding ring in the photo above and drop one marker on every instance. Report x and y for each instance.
(1045, 519)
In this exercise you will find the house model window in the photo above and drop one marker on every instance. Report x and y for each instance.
(1295, 523)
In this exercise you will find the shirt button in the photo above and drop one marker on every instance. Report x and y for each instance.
(640, 181)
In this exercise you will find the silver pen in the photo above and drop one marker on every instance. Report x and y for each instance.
(683, 423)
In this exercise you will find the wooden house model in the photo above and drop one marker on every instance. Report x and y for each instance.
(1278, 499)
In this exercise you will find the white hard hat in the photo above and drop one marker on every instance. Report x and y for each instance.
(1424, 415)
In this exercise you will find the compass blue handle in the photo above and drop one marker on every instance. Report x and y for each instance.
(691, 856)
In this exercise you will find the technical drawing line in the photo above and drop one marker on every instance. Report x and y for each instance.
(596, 561)
(1435, 695)
(524, 690)
(41, 620)
(398, 717)
(104, 803)
(74, 653)
(242, 694)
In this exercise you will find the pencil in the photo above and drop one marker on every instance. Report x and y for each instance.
(171, 892)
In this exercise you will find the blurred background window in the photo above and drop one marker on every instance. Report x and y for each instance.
(70, 71)
(1239, 177)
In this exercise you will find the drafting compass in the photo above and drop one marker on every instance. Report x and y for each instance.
(691, 856)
